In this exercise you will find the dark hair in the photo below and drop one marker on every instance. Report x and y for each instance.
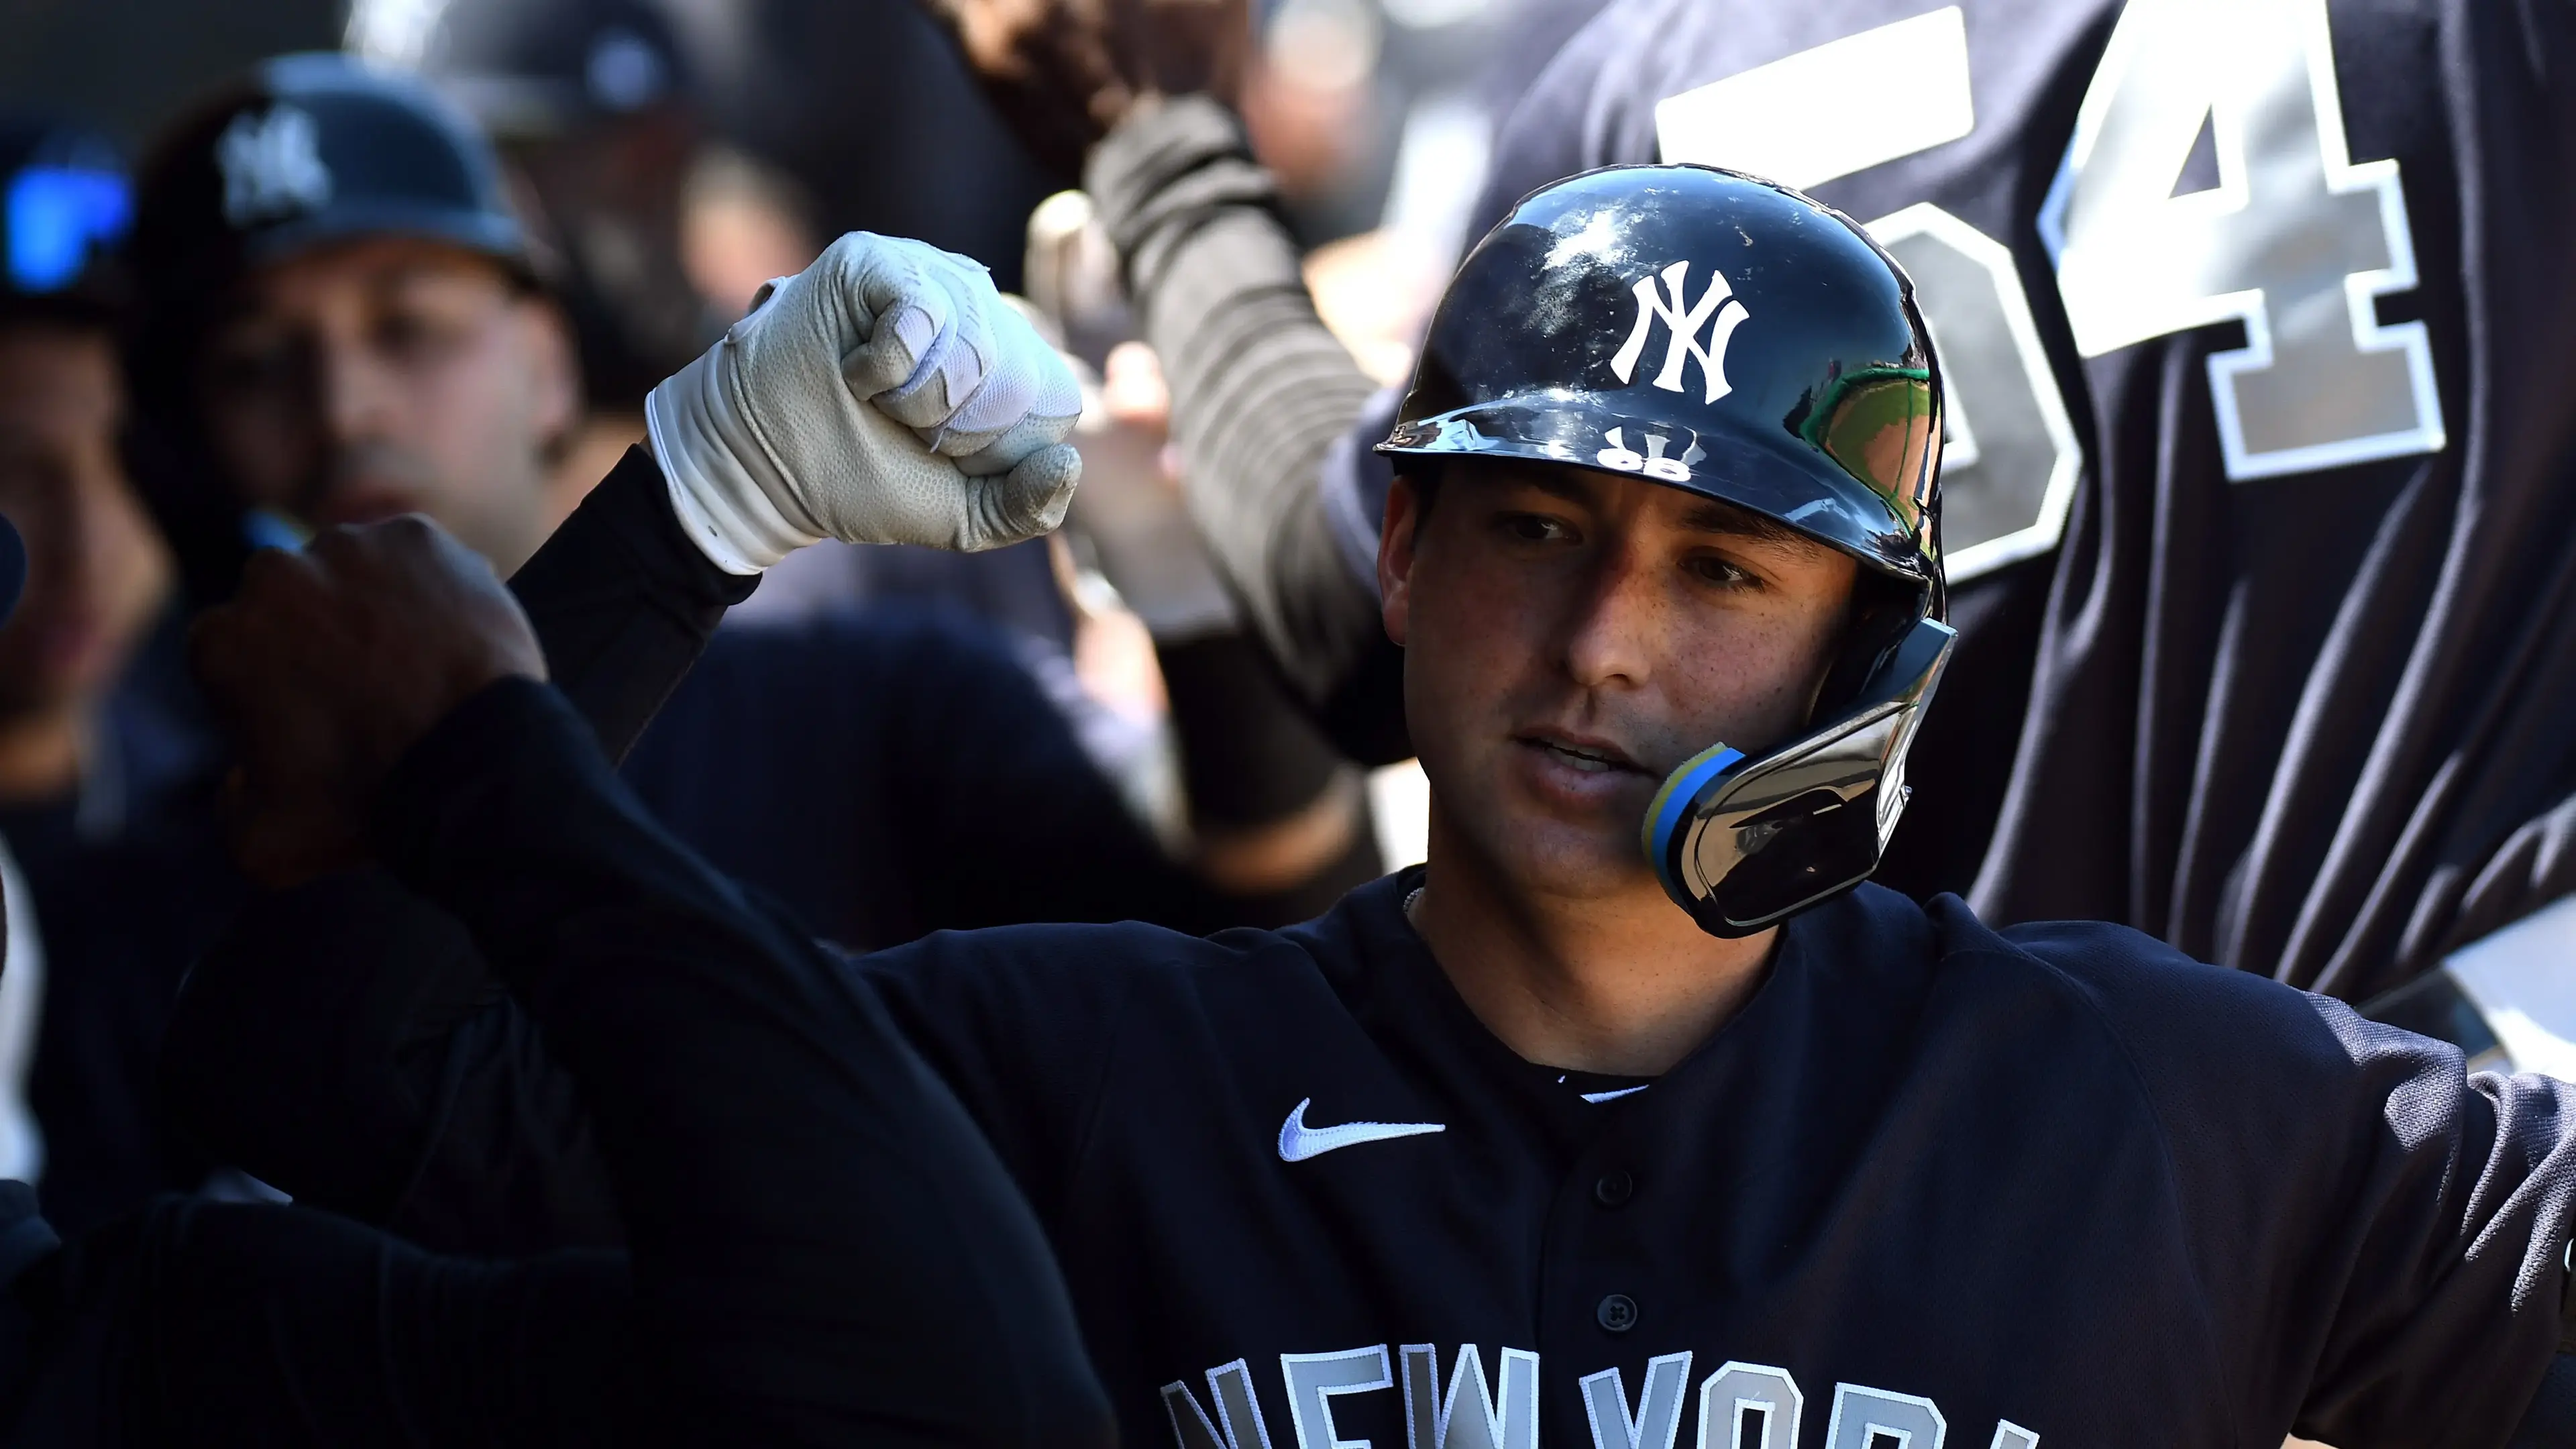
(1424, 476)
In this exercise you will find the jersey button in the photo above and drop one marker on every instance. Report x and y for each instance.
(1614, 1189)
(1617, 1313)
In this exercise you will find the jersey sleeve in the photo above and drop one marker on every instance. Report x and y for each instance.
(2451, 1305)
(622, 601)
(755, 1109)
(346, 1043)
(2382, 1237)
(1024, 1024)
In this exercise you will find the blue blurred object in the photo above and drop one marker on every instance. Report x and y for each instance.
(58, 218)
(65, 204)
(263, 528)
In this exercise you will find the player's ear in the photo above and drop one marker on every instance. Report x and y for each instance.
(1407, 502)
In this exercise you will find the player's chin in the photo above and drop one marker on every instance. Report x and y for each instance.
(1554, 858)
(1578, 841)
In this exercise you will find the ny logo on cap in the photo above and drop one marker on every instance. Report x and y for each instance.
(1718, 303)
(272, 165)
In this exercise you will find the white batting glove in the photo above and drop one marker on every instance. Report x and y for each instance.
(885, 394)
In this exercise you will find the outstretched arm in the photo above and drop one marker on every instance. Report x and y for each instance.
(622, 603)
(1267, 407)
(798, 1190)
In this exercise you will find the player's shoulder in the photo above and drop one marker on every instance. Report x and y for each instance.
(1119, 950)
(1071, 962)
(2186, 1028)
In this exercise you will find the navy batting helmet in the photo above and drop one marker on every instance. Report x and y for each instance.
(1722, 335)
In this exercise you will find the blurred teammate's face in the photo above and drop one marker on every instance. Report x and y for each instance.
(1572, 637)
(96, 570)
(390, 376)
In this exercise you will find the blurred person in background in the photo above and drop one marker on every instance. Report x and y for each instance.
(2258, 614)
(594, 112)
(106, 763)
(677, 156)
(662, 185)
(346, 325)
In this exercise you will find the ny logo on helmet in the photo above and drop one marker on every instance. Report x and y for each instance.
(272, 165)
(1718, 303)
(1652, 462)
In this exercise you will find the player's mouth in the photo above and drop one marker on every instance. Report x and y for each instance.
(1580, 753)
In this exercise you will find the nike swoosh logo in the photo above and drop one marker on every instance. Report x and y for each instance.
(1597, 1098)
(1297, 1141)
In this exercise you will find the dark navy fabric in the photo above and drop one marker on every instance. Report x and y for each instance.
(2056, 1183)
(892, 772)
(895, 1291)
(2053, 1183)
(2058, 1178)
(128, 881)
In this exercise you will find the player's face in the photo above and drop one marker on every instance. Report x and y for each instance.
(96, 570)
(391, 376)
(1572, 637)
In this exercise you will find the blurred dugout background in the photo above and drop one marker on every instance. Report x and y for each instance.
(673, 154)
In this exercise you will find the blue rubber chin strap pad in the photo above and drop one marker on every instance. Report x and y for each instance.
(1672, 807)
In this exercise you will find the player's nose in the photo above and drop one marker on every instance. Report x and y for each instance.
(1611, 618)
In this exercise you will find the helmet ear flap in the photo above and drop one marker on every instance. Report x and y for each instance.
(1883, 613)
(1742, 844)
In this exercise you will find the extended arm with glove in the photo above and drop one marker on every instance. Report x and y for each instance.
(885, 394)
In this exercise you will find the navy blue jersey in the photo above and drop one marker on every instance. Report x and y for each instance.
(2056, 1185)
(2253, 314)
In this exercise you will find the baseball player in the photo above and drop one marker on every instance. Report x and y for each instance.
(2250, 459)
(1636, 1118)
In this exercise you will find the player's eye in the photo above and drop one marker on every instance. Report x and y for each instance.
(1723, 572)
(420, 334)
(1534, 528)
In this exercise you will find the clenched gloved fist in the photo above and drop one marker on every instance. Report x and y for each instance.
(885, 394)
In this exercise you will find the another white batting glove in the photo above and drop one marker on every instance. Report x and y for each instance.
(885, 394)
